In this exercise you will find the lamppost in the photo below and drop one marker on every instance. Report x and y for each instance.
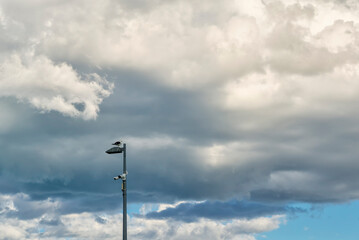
(119, 149)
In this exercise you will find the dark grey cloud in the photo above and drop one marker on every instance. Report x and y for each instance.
(51, 221)
(220, 210)
(65, 158)
(100, 220)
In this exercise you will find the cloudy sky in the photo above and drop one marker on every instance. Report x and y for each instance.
(240, 118)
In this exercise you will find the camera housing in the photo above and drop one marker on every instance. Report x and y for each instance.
(122, 176)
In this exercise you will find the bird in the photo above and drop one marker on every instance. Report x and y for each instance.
(118, 143)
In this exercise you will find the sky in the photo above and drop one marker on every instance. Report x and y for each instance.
(240, 119)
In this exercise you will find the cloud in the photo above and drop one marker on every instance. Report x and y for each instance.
(261, 97)
(170, 41)
(216, 210)
(109, 225)
(208, 229)
(189, 45)
(51, 87)
(22, 207)
(50, 224)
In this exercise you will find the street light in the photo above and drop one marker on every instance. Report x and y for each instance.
(123, 176)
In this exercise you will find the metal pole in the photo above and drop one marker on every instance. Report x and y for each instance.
(124, 194)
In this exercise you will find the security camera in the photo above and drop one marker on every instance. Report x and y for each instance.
(122, 176)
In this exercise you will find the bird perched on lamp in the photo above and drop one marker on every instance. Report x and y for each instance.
(118, 143)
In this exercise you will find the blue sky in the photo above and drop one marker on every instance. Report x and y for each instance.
(240, 119)
(333, 221)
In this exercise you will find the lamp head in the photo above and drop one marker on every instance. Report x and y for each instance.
(114, 150)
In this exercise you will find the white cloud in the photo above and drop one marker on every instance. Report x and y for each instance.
(188, 45)
(49, 225)
(6, 204)
(8, 231)
(341, 36)
(185, 44)
(110, 227)
(52, 87)
(204, 229)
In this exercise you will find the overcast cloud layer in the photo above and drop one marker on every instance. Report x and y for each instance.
(220, 103)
